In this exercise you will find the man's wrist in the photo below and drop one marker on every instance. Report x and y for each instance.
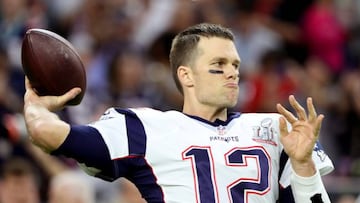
(309, 180)
(304, 169)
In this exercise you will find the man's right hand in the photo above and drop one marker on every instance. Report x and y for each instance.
(44, 127)
(52, 103)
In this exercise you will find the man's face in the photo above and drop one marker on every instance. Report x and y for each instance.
(216, 72)
(16, 189)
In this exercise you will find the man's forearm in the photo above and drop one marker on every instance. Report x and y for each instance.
(45, 129)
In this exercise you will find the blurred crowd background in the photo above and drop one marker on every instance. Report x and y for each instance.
(300, 47)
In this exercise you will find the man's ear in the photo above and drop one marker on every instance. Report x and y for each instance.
(185, 76)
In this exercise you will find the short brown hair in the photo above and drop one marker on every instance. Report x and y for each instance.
(183, 48)
(18, 166)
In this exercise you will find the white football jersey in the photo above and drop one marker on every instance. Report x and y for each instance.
(188, 159)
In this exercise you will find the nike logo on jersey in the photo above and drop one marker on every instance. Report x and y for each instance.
(106, 115)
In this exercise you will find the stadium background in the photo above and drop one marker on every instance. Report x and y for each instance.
(301, 47)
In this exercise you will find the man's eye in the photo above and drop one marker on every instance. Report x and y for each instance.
(236, 66)
(219, 63)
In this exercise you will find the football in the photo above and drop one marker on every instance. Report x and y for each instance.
(52, 64)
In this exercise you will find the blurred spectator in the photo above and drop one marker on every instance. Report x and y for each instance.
(10, 102)
(71, 187)
(285, 19)
(349, 138)
(252, 37)
(211, 11)
(13, 22)
(128, 193)
(11, 129)
(319, 84)
(327, 97)
(346, 199)
(152, 18)
(126, 81)
(125, 85)
(16, 17)
(63, 14)
(103, 29)
(19, 182)
(353, 47)
(324, 35)
(269, 86)
(158, 74)
(60, 171)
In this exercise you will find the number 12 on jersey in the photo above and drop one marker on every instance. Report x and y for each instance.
(204, 173)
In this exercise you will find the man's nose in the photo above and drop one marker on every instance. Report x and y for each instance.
(232, 72)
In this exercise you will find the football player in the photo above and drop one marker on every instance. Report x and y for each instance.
(204, 153)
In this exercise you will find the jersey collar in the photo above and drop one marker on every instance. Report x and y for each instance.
(217, 122)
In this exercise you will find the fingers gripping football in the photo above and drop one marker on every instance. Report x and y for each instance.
(52, 103)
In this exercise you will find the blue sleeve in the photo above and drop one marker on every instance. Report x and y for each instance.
(86, 145)
(285, 194)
